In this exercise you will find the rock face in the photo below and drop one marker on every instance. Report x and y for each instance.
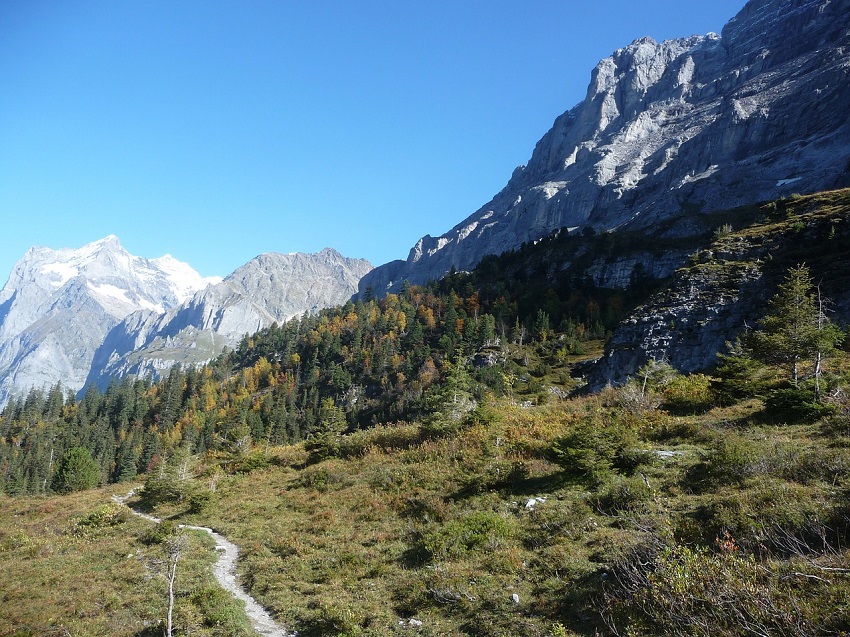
(705, 308)
(58, 305)
(669, 130)
(270, 288)
(724, 289)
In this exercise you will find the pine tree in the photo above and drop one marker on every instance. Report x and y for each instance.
(796, 329)
(77, 471)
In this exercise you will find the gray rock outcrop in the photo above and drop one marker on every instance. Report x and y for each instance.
(670, 130)
(725, 289)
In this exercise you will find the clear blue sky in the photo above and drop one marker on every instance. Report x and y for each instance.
(215, 131)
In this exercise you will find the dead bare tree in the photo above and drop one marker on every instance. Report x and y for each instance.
(174, 547)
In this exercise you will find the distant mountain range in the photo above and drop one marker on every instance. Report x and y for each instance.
(669, 131)
(83, 315)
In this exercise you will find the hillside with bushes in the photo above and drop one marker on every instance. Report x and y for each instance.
(428, 463)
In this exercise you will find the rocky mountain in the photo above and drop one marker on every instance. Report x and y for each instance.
(724, 289)
(59, 305)
(270, 288)
(671, 130)
(83, 315)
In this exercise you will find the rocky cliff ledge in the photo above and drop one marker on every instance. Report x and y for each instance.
(723, 289)
(703, 123)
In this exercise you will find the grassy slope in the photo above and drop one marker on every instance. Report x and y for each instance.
(441, 531)
(82, 565)
(401, 526)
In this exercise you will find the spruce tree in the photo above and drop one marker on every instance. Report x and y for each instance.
(796, 330)
(77, 471)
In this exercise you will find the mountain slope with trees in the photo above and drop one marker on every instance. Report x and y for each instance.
(426, 462)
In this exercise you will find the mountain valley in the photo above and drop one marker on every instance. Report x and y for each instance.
(613, 401)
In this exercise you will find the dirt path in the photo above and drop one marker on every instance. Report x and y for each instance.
(225, 573)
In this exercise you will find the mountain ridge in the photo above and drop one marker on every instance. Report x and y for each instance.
(705, 123)
(61, 307)
(270, 288)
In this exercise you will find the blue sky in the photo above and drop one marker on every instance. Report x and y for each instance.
(215, 131)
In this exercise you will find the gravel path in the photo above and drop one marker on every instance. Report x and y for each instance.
(225, 573)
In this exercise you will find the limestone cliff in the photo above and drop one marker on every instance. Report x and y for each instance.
(697, 124)
(724, 289)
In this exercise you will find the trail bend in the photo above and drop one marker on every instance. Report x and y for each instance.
(225, 572)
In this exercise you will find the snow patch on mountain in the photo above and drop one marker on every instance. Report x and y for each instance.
(58, 305)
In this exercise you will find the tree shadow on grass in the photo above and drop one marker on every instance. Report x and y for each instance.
(511, 484)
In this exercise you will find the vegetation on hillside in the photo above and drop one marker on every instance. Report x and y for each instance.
(414, 465)
(81, 564)
(359, 364)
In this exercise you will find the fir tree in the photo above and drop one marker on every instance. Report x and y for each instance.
(77, 471)
(796, 329)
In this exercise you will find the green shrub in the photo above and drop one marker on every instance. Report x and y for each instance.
(592, 449)
(767, 515)
(478, 530)
(199, 500)
(688, 394)
(172, 480)
(730, 459)
(662, 427)
(623, 494)
(382, 437)
(499, 474)
(103, 516)
(159, 532)
(322, 477)
(323, 446)
(700, 593)
(794, 404)
(77, 471)
(733, 459)
(255, 459)
(739, 375)
(549, 523)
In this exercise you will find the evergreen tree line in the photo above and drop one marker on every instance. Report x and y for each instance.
(352, 366)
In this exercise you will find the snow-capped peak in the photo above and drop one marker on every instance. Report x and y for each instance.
(185, 280)
(119, 282)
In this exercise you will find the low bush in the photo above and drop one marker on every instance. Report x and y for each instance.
(551, 522)
(103, 516)
(764, 516)
(593, 448)
(678, 590)
(623, 494)
(323, 477)
(245, 463)
(732, 459)
(386, 438)
(794, 405)
(159, 532)
(688, 394)
(478, 530)
(739, 376)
